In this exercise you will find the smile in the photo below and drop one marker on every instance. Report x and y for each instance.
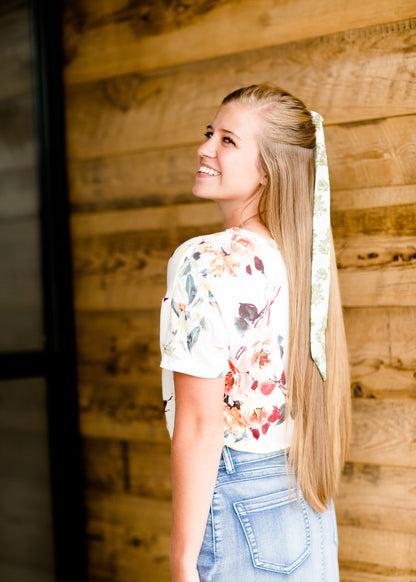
(210, 171)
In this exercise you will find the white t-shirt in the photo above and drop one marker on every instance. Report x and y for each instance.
(225, 314)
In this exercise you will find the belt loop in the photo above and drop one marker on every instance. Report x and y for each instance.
(228, 460)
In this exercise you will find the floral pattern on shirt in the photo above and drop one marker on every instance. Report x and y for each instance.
(227, 317)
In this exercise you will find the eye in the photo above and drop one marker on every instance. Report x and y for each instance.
(208, 134)
(228, 140)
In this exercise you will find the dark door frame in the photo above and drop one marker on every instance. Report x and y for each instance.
(57, 361)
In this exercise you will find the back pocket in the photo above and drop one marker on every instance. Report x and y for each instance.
(277, 530)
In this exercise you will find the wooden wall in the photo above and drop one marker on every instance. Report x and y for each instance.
(142, 81)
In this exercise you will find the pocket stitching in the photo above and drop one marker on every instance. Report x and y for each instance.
(258, 504)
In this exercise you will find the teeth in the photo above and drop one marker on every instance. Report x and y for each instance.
(210, 171)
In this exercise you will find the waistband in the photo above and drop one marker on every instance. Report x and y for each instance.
(231, 459)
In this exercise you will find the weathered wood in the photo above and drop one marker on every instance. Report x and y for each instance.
(139, 468)
(376, 153)
(359, 572)
(125, 345)
(395, 286)
(135, 112)
(123, 411)
(378, 270)
(382, 351)
(385, 220)
(361, 156)
(148, 178)
(122, 271)
(122, 545)
(377, 497)
(108, 38)
(354, 199)
(383, 432)
(377, 552)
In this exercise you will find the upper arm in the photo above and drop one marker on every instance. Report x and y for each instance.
(199, 400)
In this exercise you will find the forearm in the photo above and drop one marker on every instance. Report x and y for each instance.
(196, 449)
(195, 458)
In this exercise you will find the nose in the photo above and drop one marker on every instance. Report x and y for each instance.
(207, 149)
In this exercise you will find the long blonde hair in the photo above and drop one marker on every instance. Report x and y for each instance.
(321, 410)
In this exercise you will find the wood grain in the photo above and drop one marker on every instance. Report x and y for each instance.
(121, 543)
(123, 411)
(125, 467)
(383, 432)
(378, 553)
(108, 38)
(127, 270)
(340, 79)
(367, 157)
(377, 497)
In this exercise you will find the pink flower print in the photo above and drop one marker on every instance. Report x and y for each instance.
(233, 419)
(255, 432)
(257, 417)
(265, 427)
(223, 262)
(275, 415)
(262, 354)
(267, 387)
(240, 243)
(229, 382)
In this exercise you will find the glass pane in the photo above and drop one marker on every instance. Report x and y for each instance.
(26, 538)
(20, 266)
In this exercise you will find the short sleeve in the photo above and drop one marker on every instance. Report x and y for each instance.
(193, 336)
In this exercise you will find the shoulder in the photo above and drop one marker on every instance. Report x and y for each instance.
(190, 254)
(197, 244)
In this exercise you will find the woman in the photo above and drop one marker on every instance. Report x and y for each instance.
(254, 356)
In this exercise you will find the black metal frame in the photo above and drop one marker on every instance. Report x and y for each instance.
(57, 362)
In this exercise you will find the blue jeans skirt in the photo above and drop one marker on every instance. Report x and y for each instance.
(258, 530)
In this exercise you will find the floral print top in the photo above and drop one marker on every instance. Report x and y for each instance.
(225, 313)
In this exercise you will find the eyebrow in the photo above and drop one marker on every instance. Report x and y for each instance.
(225, 131)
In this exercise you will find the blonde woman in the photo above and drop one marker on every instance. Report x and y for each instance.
(255, 369)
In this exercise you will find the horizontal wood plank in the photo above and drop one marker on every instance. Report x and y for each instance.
(127, 269)
(124, 345)
(340, 79)
(125, 467)
(364, 198)
(123, 411)
(120, 540)
(383, 432)
(376, 159)
(377, 552)
(108, 38)
(377, 497)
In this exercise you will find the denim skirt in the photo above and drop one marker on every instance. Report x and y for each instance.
(259, 530)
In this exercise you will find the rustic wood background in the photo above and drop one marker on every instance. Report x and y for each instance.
(142, 80)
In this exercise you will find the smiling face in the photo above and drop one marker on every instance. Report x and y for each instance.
(228, 169)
